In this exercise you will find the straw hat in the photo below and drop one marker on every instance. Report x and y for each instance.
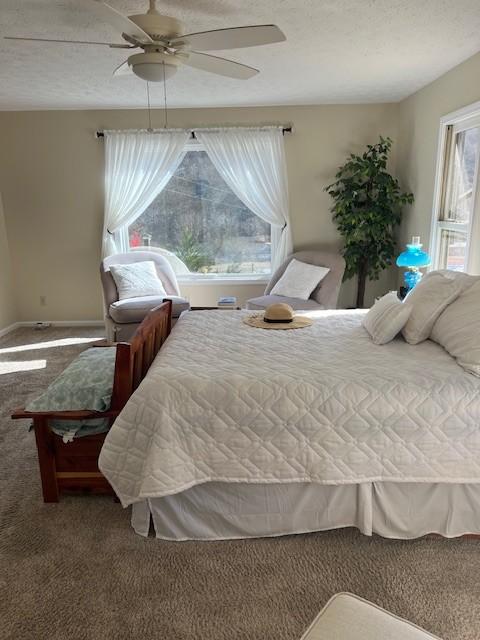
(278, 316)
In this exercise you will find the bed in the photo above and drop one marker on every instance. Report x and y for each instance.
(239, 432)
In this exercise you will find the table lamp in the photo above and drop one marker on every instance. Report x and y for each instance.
(413, 259)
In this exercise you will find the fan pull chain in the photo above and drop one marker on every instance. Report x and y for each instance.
(149, 110)
(165, 97)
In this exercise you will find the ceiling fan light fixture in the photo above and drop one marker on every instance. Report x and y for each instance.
(152, 66)
(165, 48)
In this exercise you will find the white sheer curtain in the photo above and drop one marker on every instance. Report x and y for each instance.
(252, 163)
(138, 165)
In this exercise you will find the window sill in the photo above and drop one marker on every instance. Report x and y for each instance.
(221, 280)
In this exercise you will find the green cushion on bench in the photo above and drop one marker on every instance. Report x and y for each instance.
(86, 384)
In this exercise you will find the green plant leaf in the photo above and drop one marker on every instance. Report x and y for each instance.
(367, 209)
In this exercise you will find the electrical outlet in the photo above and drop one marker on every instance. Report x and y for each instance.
(42, 325)
(43, 301)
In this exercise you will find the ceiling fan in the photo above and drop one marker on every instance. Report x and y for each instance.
(165, 47)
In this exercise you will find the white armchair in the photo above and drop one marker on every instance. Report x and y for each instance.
(122, 317)
(325, 296)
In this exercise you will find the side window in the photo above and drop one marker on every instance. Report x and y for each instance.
(455, 234)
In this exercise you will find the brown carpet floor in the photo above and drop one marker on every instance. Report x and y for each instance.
(75, 570)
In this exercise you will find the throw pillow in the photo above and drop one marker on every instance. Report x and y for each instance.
(137, 279)
(458, 329)
(386, 318)
(299, 280)
(428, 299)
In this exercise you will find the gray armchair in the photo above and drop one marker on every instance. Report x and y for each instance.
(122, 317)
(325, 296)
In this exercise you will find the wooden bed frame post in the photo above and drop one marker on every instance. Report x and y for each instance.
(46, 459)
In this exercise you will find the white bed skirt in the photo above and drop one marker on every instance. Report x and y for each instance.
(222, 511)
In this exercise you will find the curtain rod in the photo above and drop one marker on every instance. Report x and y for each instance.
(100, 134)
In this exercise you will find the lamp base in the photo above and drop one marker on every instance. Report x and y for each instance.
(411, 277)
(402, 293)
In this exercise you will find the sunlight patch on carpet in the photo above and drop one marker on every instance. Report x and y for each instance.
(63, 342)
(24, 365)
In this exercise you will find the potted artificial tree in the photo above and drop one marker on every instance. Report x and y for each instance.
(367, 207)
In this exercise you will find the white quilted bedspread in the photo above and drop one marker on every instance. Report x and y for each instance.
(227, 402)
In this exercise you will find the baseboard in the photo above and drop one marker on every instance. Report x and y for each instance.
(63, 323)
(54, 323)
(11, 327)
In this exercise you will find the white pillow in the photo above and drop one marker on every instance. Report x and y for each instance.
(299, 280)
(458, 329)
(386, 318)
(428, 299)
(137, 279)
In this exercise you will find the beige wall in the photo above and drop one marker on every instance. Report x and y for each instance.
(419, 123)
(207, 295)
(51, 174)
(8, 312)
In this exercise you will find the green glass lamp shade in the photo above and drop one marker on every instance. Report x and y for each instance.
(413, 257)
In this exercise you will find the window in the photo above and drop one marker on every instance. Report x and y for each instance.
(201, 225)
(455, 228)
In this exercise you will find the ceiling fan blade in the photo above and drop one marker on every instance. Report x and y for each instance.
(235, 38)
(106, 44)
(123, 70)
(220, 66)
(121, 22)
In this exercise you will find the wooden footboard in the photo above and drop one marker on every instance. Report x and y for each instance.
(74, 466)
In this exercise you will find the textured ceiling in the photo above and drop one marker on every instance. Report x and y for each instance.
(337, 51)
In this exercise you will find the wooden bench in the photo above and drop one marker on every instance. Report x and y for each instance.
(73, 466)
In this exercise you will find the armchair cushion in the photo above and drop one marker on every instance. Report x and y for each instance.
(162, 266)
(135, 309)
(299, 280)
(326, 292)
(137, 280)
